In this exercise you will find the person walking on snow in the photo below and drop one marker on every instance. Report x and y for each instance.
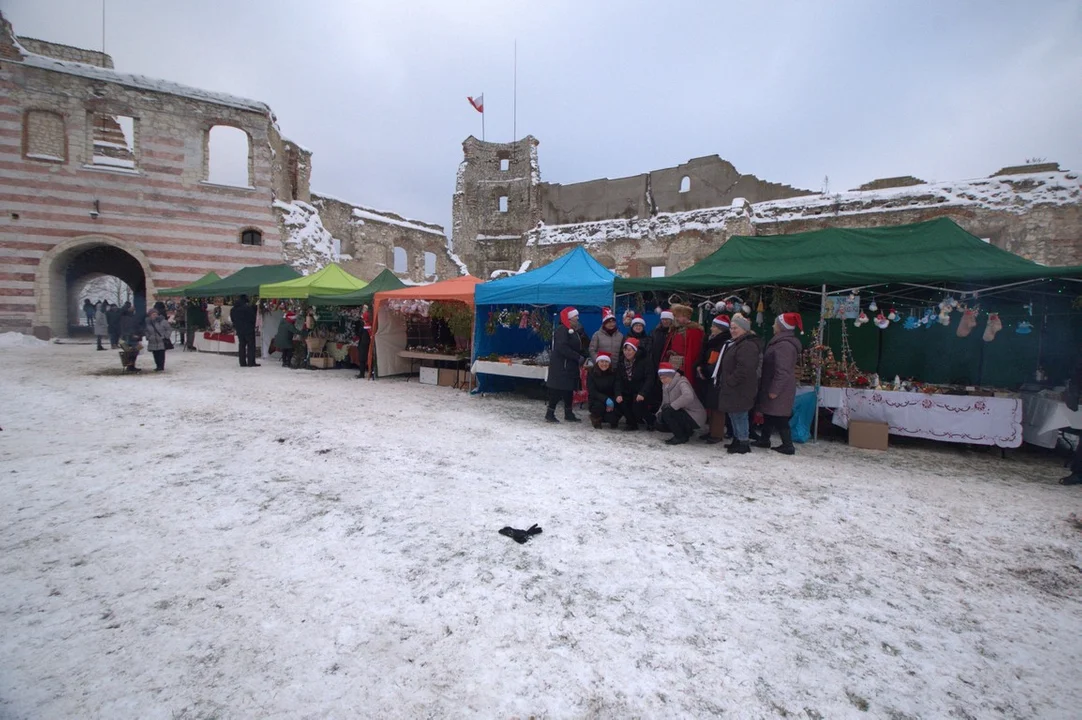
(101, 323)
(88, 312)
(567, 357)
(158, 331)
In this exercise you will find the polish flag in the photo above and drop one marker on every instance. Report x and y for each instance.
(478, 103)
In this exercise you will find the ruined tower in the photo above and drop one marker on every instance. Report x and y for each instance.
(497, 200)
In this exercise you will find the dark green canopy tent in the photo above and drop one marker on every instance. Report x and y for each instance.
(933, 251)
(245, 281)
(179, 291)
(386, 280)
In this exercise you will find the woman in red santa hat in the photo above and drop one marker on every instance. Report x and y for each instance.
(777, 389)
(283, 339)
(681, 412)
(601, 387)
(708, 372)
(608, 339)
(635, 380)
(567, 356)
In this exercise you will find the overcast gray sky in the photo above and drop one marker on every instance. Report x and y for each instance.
(790, 91)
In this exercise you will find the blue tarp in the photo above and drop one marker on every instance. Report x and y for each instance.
(574, 278)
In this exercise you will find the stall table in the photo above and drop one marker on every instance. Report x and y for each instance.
(215, 342)
(529, 372)
(414, 355)
(948, 418)
(829, 397)
(1043, 417)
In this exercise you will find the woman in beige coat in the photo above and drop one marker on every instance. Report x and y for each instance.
(681, 412)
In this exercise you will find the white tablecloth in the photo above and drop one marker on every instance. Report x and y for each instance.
(533, 372)
(202, 344)
(1044, 417)
(949, 418)
(829, 397)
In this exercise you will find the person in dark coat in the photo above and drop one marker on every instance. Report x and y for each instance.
(243, 318)
(706, 388)
(601, 386)
(1071, 398)
(659, 338)
(739, 384)
(364, 343)
(777, 390)
(567, 356)
(112, 320)
(195, 319)
(88, 312)
(283, 337)
(130, 335)
(638, 332)
(634, 381)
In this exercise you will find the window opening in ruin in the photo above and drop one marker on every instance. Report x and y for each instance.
(505, 165)
(503, 203)
(227, 156)
(401, 261)
(251, 237)
(685, 184)
(336, 247)
(657, 271)
(113, 141)
(45, 137)
(430, 264)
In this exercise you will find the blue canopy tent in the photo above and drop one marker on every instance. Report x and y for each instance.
(574, 278)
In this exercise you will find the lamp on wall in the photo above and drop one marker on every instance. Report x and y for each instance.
(96, 210)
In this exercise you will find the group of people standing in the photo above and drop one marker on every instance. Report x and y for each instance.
(678, 379)
(126, 330)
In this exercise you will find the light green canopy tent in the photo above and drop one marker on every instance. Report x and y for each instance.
(933, 251)
(331, 280)
(245, 281)
(386, 280)
(179, 291)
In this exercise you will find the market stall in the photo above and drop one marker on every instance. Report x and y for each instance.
(435, 320)
(924, 308)
(179, 290)
(356, 305)
(515, 315)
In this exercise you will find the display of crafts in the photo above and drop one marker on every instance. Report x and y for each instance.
(541, 359)
(537, 320)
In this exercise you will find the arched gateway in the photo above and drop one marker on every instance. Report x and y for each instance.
(63, 266)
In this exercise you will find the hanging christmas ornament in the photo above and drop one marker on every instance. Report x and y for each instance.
(892, 315)
(861, 319)
(881, 321)
(523, 319)
(872, 307)
(746, 309)
(992, 327)
(945, 316)
(1028, 307)
(759, 310)
(1024, 328)
(629, 317)
(967, 323)
(911, 323)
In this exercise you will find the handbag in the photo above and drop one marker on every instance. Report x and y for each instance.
(168, 344)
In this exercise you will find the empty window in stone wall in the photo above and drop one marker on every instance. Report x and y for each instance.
(401, 260)
(657, 271)
(45, 138)
(505, 165)
(430, 264)
(503, 203)
(112, 141)
(685, 184)
(227, 156)
(251, 237)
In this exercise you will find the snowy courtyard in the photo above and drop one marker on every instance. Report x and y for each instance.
(219, 542)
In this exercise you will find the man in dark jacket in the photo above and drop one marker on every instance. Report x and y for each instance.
(195, 319)
(778, 389)
(739, 383)
(567, 356)
(243, 318)
(1071, 398)
(364, 343)
(112, 321)
(707, 387)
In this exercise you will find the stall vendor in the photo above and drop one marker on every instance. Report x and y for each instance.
(684, 343)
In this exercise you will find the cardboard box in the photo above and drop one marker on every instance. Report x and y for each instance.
(449, 377)
(429, 376)
(868, 435)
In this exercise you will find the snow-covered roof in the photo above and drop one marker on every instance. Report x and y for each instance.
(140, 82)
(308, 246)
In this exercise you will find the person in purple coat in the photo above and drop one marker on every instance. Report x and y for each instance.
(777, 388)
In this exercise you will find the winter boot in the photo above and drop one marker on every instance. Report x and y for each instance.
(739, 447)
(595, 420)
(550, 416)
(677, 440)
(570, 416)
(1072, 479)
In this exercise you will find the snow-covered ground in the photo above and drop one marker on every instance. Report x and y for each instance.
(265, 543)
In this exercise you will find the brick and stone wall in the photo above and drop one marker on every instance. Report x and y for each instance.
(65, 52)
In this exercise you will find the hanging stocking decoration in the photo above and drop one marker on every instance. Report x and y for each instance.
(967, 323)
(994, 325)
(524, 319)
(759, 309)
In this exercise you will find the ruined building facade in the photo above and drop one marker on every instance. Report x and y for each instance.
(664, 221)
(107, 173)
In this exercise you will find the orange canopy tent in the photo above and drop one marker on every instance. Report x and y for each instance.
(389, 331)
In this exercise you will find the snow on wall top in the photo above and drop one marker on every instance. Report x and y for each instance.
(656, 226)
(363, 214)
(308, 246)
(141, 82)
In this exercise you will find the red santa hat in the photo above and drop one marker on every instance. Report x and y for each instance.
(606, 314)
(791, 321)
(632, 342)
(667, 315)
(604, 356)
(638, 321)
(666, 369)
(566, 315)
(291, 316)
(722, 321)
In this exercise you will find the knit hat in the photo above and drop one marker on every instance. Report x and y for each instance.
(606, 314)
(791, 321)
(667, 315)
(604, 356)
(291, 316)
(666, 369)
(633, 342)
(741, 322)
(638, 321)
(722, 321)
(566, 315)
(685, 310)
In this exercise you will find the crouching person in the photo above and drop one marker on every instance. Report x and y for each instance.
(634, 381)
(601, 384)
(681, 412)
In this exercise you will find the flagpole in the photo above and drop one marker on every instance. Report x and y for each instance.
(482, 120)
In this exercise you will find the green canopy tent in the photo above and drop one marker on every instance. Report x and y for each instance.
(179, 291)
(245, 281)
(331, 280)
(386, 280)
(933, 251)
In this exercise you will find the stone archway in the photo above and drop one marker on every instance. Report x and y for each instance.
(64, 265)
